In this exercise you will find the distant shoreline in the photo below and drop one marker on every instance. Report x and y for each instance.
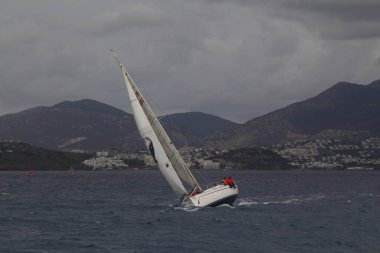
(232, 170)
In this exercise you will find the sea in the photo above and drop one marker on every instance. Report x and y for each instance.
(136, 211)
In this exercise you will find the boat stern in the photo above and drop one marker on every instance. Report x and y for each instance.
(215, 196)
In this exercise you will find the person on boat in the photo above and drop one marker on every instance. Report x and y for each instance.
(224, 181)
(230, 182)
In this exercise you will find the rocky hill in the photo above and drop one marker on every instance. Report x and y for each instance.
(81, 124)
(344, 106)
(251, 159)
(192, 127)
(22, 156)
(92, 125)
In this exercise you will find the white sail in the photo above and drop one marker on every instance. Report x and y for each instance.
(175, 158)
(172, 153)
(167, 157)
(152, 141)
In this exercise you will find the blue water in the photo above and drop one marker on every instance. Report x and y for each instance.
(136, 211)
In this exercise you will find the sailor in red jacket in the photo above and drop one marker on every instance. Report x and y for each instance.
(230, 182)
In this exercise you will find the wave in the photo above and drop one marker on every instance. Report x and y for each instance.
(369, 194)
(253, 201)
(4, 196)
(184, 205)
(268, 200)
(227, 205)
(187, 208)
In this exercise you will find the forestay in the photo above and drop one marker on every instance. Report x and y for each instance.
(151, 141)
(170, 150)
(175, 158)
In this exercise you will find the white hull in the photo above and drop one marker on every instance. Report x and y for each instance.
(167, 157)
(214, 196)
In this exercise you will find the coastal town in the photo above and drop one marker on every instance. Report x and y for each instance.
(328, 154)
(118, 159)
(196, 158)
(307, 154)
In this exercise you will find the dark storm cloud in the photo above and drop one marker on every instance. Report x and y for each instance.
(333, 19)
(346, 10)
(337, 19)
(236, 59)
(136, 16)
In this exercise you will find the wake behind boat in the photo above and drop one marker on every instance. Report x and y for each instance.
(167, 157)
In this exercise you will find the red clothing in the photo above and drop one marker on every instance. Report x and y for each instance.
(230, 182)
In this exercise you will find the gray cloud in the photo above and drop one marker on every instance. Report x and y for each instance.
(236, 59)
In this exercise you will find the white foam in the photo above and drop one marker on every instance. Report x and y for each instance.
(187, 209)
(227, 205)
(370, 194)
(268, 200)
(247, 202)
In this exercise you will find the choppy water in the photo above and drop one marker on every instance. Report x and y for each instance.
(137, 212)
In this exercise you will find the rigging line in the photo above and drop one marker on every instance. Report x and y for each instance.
(176, 158)
(179, 150)
(162, 117)
(205, 177)
(156, 122)
(185, 165)
(160, 132)
(174, 149)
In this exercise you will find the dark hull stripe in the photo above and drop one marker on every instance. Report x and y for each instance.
(228, 200)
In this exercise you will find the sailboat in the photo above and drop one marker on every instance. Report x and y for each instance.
(165, 154)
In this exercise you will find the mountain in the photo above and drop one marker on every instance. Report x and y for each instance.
(192, 127)
(344, 106)
(251, 159)
(92, 125)
(22, 156)
(80, 124)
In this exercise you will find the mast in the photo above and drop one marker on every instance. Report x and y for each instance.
(151, 141)
(171, 151)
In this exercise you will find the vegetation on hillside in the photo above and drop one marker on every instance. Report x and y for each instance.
(22, 156)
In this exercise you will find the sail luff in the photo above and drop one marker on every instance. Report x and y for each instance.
(182, 170)
(151, 141)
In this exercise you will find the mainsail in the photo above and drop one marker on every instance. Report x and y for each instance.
(171, 151)
(175, 161)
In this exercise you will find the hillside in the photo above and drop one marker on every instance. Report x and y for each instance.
(192, 127)
(92, 125)
(82, 124)
(344, 106)
(251, 159)
(21, 156)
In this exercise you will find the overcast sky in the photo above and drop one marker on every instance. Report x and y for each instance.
(235, 59)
